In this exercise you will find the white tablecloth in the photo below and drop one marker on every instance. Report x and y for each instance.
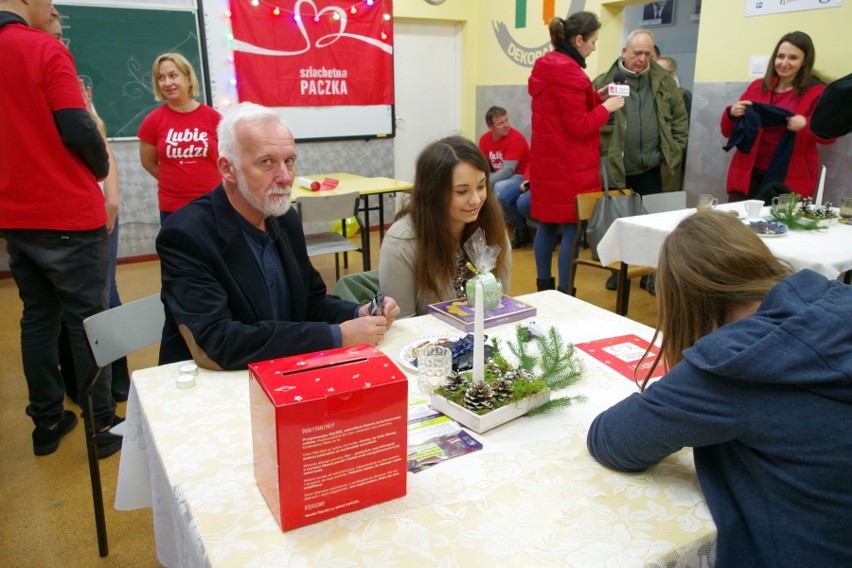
(532, 497)
(637, 240)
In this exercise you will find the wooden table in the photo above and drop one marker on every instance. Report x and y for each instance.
(365, 187)
(533, 496)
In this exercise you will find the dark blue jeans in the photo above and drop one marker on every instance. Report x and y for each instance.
(507, 192)
(60, 273)
(545, 238)
(114, 298)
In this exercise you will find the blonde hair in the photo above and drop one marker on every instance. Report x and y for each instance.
(99, 122)
(709, 265)
(183, 65)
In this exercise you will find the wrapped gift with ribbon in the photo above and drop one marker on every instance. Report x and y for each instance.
(483, 259)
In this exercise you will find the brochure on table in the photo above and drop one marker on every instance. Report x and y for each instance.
(434, 437)
(623, 354)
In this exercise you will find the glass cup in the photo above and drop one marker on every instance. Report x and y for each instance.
(846, 208)
(753, 208)
(434, 365)
(782, 201)
(706, 202)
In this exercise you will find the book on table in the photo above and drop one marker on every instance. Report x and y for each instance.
(459, 314)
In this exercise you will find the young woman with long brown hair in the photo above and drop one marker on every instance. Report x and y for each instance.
(422, 259)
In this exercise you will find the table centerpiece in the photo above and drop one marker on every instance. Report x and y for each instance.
(507, 391)
(802, 214)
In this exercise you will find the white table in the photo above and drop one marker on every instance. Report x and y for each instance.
(532, 497)
(637, 240)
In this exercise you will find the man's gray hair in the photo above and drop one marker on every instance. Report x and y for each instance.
(635, 33)
(226, 132)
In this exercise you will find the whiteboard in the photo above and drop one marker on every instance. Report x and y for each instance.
(306, 123)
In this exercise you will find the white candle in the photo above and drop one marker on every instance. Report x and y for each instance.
(479, 335)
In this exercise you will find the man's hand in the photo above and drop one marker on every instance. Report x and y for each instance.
(390, 310)
(364, 329)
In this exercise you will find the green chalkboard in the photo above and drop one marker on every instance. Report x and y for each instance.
(115, 47)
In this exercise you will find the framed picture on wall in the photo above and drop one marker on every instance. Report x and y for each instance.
(696, 11)
(658, 13)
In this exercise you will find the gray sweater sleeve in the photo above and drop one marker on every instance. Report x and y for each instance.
(396, 268)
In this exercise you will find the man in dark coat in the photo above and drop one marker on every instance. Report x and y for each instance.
(238, 285)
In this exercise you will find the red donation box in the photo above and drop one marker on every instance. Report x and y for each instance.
(329, 431)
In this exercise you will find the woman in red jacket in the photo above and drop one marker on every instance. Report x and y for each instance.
(567, 115)
(788, 85)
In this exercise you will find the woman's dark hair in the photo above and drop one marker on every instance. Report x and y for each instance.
(429, 206)
(580, 23)
(803, 78)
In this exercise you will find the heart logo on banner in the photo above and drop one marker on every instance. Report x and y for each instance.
(321, 42)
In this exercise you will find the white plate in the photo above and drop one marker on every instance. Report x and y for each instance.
(407, 356)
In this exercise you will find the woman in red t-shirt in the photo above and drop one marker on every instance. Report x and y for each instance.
(788, 84)
(178, 144)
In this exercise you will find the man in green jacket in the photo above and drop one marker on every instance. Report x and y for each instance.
(650, 132)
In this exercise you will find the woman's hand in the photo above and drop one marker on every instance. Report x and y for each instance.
(738, 109)
(796, 122)
(612, 104)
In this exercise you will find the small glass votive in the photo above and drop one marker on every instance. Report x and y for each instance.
(434, 365)
(846, 208)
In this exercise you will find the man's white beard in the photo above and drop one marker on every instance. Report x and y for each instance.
(268, 207)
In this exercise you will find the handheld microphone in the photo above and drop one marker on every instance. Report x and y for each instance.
(618, 89)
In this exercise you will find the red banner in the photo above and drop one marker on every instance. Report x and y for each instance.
(313, 52)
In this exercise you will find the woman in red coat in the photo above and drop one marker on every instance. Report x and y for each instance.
(788, 85)
(567, 115)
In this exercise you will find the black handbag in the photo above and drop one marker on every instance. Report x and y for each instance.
(609, 208)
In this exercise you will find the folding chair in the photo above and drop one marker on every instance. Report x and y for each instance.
(585, 208)
(114, 334)
(325, 208)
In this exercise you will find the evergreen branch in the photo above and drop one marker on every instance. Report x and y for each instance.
(561, 402)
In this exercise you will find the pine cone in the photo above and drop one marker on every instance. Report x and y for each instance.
(502, 389)
(455, 382)
(493, 369)
(521, 375)
(479, 396)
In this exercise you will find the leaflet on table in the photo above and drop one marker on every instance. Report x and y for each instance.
(623, 354)
(433, 437)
